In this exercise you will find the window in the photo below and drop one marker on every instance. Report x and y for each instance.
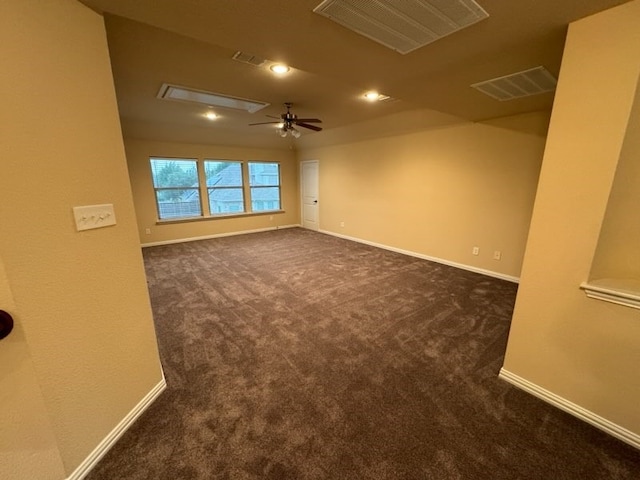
(224, 186)
(264, 183)
(176, 187)
(231, 187)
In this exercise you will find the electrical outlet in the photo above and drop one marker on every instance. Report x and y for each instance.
(497, 255)
(476, 251)
(147, 231)
(342, 224)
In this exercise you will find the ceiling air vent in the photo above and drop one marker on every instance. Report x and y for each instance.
(175, 92)
(517, 85)
(403, 26)
(249, 58)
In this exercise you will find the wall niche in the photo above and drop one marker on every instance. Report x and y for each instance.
(615, 270)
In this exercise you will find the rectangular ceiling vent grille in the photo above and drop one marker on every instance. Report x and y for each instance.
(403, 26)
(186, 94)
(517, 85)
(249, 58)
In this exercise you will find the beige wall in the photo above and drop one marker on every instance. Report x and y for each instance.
(80, 297)
(438, 192)
(28, 447)
(583, 350)
(617, 255)
(138, 154)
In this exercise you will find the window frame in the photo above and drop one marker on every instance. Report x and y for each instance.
(202, 190)
(240, 187)
(156, 190)
(251, 187)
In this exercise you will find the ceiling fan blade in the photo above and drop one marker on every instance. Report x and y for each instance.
(309, 120)
(310, 127)
(272, 116)
(262, 123)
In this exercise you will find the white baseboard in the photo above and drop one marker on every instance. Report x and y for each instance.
(583, 414)
(109, 441)
(215, 235)
(462, 266)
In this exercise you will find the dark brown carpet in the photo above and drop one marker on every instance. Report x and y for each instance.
(296, 355)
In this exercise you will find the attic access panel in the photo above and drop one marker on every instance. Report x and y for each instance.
(403, 26)
(186, 94)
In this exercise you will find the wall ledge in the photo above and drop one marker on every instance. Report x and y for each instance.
(110, 440)
(624, 292)
(442, 261)
(583, 414)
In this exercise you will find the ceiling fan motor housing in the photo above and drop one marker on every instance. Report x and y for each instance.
(290, 120)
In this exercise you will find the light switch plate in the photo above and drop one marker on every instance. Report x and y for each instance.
(94, 216)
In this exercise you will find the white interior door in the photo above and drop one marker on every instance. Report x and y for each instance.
(309, 187)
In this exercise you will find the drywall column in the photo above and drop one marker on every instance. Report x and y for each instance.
(27, 445)
(80, 297)
(579, 352)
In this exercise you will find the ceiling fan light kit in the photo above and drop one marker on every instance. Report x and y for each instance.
(288, 121)
(284, 131)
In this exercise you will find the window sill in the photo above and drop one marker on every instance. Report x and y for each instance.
(624, 292)
(169, 221)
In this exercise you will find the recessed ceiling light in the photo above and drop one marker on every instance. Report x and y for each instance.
(279, 68)
(371, 96)
(211, 115)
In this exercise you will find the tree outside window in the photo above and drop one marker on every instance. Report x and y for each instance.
(175, 182)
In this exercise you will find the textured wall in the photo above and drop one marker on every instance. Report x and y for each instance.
(617, 255)
(583, 350)
(138, 153)
(28, 447)
(81, 297)
(437, 192)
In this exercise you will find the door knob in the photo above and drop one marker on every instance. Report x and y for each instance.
(6, 324)
(315, 201)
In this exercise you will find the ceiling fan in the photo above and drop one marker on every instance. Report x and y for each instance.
(289, 121)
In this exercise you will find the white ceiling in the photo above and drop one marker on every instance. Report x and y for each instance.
(191, 42)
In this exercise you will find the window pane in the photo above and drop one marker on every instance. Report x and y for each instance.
(186, 205)
(167, 172)
(223, 174)
(225, 200)
(265, 198)
(264, 182)
(176, 186)
(263, 173)
(224, 182)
